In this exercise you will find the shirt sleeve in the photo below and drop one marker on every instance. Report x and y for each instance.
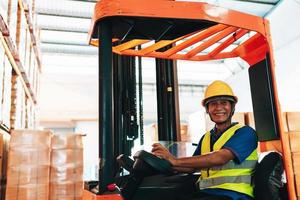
(242, 143)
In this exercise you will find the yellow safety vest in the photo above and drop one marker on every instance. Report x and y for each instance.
(231, 176)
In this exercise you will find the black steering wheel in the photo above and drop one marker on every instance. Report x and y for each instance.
(158, 164)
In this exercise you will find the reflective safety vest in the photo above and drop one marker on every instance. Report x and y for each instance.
(231, 176)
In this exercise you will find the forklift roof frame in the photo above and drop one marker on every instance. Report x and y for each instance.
(229, 25)
(207, 25)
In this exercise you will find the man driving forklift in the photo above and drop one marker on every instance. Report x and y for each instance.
(226, 155)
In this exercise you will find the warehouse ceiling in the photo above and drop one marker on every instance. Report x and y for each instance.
(69, 81)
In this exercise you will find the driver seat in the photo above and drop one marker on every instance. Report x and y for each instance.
(268, 178)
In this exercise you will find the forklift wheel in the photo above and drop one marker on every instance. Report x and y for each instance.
(158, 164)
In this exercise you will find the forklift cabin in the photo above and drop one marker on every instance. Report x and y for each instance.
(168, 31)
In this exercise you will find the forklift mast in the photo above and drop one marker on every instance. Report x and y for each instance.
(179, 30)
(167, 100)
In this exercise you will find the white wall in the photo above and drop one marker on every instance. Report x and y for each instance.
(241, 87)
(68, 91)
(285, 30)
(91, 150)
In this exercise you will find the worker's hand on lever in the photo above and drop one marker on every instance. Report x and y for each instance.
(162, 152)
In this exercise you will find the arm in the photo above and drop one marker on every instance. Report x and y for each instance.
(184, 170)
(212, 159)
(194, 163)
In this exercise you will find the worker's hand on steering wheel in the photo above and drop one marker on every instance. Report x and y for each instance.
(162, 152)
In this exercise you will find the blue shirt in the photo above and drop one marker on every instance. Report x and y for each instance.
(236, 144)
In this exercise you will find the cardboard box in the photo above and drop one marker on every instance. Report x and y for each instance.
(297, 177)
(296, 163)
(251, 122)
(21, 176)
(66, 191)
(28, 156)
(64, 173)
(67, 157)
(67, 141)
(28, 192)
(30, 139)
(294, 141)
(293, 119)
(184, 133)
(4, 140)
(29, 165)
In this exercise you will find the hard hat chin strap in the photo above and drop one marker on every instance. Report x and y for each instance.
(232, 109)
(232, 112)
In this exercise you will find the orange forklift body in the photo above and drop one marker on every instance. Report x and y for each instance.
(87, 195)
(227, 27)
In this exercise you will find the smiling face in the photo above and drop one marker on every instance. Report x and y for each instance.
(220, 111)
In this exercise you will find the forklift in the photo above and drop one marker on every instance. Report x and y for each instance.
(127, 30)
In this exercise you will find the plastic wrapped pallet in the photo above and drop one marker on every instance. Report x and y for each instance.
(15, 111)
(28, 165)
(1, 154)
(1, 159)
(66, 174)
(12, 20)
(24, 35)
(8, 11)
(27, 113)
(31, 68)
(6, 104)
(4, 141)
(36, 82)
(2, 56)
(4, 9)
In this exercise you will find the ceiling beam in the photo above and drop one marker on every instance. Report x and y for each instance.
(73, 49)
(62, 15)
(66, 44)
(65, 29)
(86, 1)
(270, 2)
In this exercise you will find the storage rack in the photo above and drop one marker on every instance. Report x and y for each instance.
(20, 68)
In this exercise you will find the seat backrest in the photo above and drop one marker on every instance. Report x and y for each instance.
(268, 178)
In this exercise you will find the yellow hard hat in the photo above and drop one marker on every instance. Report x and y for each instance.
(218, 89)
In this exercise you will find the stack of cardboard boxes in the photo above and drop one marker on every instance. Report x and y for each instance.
(66, 175)
(44, 166)
(28, 165)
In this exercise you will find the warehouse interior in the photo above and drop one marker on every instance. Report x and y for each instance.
(58, 71)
